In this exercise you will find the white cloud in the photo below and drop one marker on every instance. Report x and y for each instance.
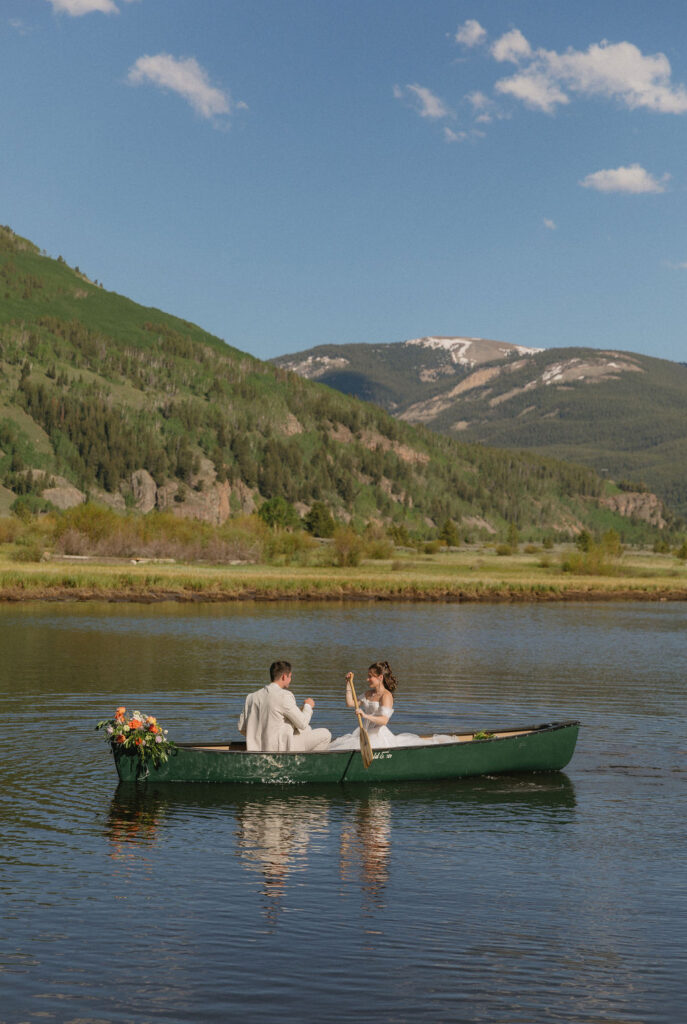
(79, 7)
(484, 109)
(621, 71)
(534, 89)
(424, 101)
(550, 224)
(186, 77)
(617, 71)
(452, 136)
(471, 33)
(633, 179)
(512, 47)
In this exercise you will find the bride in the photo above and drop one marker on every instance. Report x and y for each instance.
(376, 708)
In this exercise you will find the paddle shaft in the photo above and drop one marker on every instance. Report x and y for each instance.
(349, 679)
(365, 745)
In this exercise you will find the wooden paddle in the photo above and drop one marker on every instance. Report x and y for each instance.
(365, 745)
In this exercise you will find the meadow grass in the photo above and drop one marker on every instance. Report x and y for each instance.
(463, 575)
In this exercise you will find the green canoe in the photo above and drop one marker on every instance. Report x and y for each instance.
(527, 749)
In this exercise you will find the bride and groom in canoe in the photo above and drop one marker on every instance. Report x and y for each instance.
(272, 721)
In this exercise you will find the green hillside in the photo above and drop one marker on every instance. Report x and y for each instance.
(99, 396)
(623, 414)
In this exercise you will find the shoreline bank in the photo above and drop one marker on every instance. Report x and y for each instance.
(461, 577)
(515, 594)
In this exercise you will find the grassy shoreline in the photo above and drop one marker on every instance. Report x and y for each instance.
(462, 576)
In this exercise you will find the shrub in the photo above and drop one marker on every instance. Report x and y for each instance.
(30, 551)
(9, 530)
(319, 521)
(504, 549)
(347, 547)
(399, 535)
(283, 547)
(278, 512)
(584, 541)
(449, 534)
(378, 547)
(597, 561)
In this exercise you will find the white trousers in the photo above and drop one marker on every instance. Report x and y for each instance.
(311, 739)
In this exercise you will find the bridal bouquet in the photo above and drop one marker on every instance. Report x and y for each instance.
(141, 735)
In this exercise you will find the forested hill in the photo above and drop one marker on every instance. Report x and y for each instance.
(100, 396)
(621, 413)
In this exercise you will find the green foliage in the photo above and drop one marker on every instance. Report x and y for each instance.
(595, 558)
(348, 547)
(449, 534)
(399, 535)
(94, 387)
(629, 426)
(584, 541)
(141, 736)
(319, 520)
(277, 512)
(512, 535)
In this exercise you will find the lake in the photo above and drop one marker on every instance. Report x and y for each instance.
(549, 897)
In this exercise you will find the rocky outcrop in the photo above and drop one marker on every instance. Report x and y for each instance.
(204, 498)
(61, 493)
(637, 505)
(144, 490)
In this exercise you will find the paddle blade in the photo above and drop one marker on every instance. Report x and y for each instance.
(365, 748)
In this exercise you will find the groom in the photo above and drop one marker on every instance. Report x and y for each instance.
(271, 719)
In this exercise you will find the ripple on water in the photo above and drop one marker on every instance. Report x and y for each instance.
(547, 897)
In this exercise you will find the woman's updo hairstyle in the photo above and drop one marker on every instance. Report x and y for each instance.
(383, 669)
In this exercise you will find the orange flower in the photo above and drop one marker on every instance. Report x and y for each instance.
(120, 738)
(151, 720)
(120, 711)
(139, 741)
(154, 729)
(119, 718)
(135, 723)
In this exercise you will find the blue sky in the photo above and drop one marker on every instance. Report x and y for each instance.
(288, 173)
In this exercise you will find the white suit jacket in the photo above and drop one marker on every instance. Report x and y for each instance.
(271, 720)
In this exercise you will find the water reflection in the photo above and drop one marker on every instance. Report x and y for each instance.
(134, 820)
(273, 838)
(366, 844)
(275, 826)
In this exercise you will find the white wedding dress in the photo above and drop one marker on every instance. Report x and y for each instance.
(381, 735)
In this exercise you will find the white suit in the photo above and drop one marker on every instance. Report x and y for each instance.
(271, 720)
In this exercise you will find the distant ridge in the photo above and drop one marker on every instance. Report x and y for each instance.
(621, 413)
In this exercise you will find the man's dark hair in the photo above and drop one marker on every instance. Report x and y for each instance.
(278, 669)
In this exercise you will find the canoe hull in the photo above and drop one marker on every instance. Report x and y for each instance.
(535, 748)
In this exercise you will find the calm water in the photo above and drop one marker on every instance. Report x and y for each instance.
(545, 898)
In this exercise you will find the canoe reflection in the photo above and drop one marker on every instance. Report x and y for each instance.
(278, 828)
(366, 844)
(273, 839)
(133, 820)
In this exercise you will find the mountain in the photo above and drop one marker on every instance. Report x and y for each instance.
(138, 409)
(623, 414)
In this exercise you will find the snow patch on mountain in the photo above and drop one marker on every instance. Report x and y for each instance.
(465, 351)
